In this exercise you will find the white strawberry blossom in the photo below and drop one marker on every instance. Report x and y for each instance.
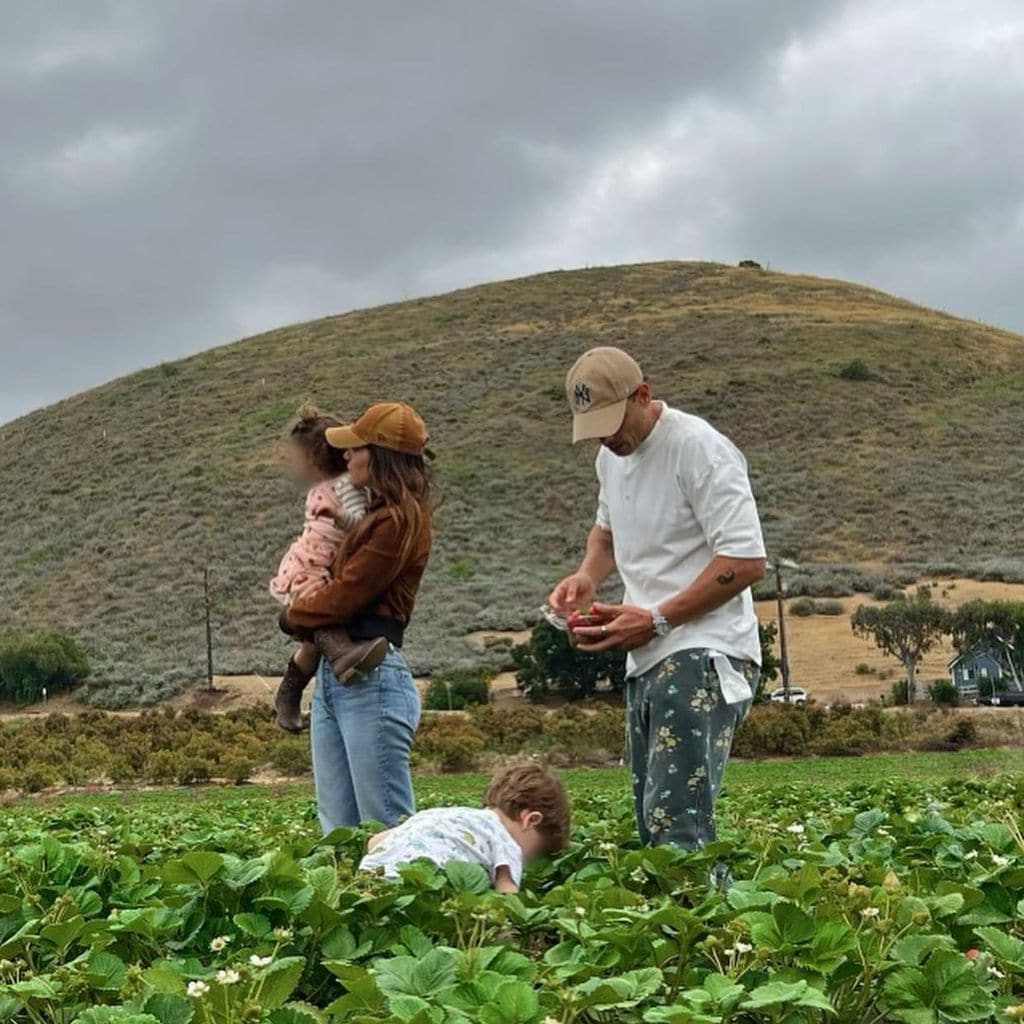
(228, 977)
(796, 828)
(739, 949)
(282, 934)
(219, 943)
(197, 989)
(870, 912)
(261, 961)
(999, 860)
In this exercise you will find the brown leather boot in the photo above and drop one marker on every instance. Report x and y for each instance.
(350, 658)
(288, 702)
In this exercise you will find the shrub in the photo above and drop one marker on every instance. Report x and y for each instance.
(864, 669)
(774, 729)
(162, 767)
(236, 768)
(828, 607)
(884, 592)
(587, 735)
(963, 733)
(193, 769)
(456, 746)
(510, 729)
(548, 663)
(32, 662)
(457, 689)
(846, 735)
(803, 607)
(944, 692)
(899, 692)
(856, 369)
(291, 756)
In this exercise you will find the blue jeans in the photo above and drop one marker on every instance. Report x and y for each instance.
(361, 737)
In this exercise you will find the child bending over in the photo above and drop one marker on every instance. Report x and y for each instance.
(525, 815)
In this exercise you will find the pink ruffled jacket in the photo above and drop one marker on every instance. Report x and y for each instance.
(333, 508)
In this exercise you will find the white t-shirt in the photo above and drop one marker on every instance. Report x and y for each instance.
(446, 834)
(680, 499)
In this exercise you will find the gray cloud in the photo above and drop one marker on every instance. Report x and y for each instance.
(179, 175)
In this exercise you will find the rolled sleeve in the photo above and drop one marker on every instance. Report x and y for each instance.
(717, 485)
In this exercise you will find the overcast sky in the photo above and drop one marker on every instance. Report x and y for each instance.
(176, 175)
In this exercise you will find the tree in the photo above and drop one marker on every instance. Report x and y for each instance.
(770, 661)
(906, 629)
(548, 662)
(998, 625)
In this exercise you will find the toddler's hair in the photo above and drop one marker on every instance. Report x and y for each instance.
(310, 434)
(528, 787)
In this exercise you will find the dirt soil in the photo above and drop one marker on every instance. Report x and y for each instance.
(823, 655)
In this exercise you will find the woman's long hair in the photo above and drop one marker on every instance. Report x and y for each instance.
(402, 483)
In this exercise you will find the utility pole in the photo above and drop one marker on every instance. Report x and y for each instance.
(783, 657)
(207, 605)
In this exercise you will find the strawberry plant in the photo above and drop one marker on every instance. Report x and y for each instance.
(873, 900)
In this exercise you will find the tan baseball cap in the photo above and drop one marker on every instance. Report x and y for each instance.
(598, 387)
(393, 425)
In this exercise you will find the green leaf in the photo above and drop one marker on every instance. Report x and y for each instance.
(278, 981)
(623, 991)
(63, 933)
(256, 926)
(109, 1014)
(105, 972)
(515, 1002)
(170, 1009)
(195, 867)
(912, 949)
(1009, 951)
(866, 822)
(8, 1008)
(783, 993)
(291, 902)
(468, 877)
(415, 941)
(418, 976)
(946, 986)
(298, 1013)
(164, 979)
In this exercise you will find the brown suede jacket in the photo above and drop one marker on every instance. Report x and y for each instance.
(371, 578)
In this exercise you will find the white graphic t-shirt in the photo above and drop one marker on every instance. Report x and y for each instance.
(679, 500)
(446, 834)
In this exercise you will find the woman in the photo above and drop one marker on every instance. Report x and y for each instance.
(362, 732)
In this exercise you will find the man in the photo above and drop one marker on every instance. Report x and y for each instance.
(677, 518)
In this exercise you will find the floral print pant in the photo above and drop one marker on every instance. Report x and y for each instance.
(679, 732)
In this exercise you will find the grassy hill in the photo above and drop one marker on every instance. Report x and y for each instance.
(114, 500)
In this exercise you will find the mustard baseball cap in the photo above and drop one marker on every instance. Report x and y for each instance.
(598, 387)
(393, 425)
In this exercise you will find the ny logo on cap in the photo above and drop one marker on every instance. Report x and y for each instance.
(581, 394)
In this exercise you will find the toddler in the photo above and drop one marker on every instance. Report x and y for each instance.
(333, 508)
(525, 814)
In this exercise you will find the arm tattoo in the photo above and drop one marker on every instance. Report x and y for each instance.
(725, 578)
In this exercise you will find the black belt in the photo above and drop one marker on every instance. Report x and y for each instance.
(363, 627)
(369, 627)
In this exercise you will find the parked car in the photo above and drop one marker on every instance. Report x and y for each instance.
(797, 695)
(1005, 699)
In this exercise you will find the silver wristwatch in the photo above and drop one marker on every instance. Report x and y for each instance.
(660, 623)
